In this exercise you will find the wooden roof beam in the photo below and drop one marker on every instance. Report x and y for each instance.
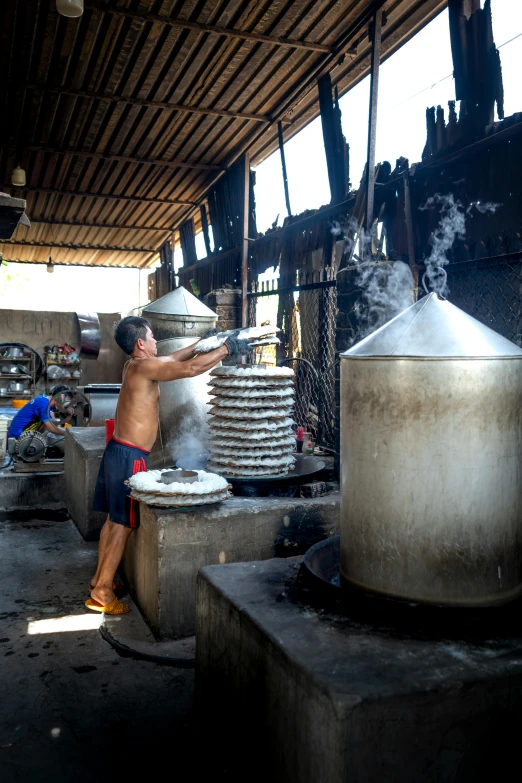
(199, 27)
(65, 263)
(108, 196)
(55, 246)
(166, 164)
(108, 226)
(182, 107)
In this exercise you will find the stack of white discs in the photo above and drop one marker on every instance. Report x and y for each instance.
(147, 487)
(251, 421)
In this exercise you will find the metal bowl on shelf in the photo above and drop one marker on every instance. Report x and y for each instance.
(15, 386)
(13, 352)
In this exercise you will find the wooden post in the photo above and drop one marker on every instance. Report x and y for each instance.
(244, 243)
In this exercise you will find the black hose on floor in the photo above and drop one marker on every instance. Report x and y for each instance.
(128, 652)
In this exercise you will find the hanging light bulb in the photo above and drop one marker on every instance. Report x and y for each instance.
(18, 177)
(70, 8)
(50, 266)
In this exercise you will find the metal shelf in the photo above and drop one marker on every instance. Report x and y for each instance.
(62, 364)
(14, 376)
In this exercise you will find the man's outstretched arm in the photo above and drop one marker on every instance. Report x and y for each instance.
(166, 368)
(180, 356)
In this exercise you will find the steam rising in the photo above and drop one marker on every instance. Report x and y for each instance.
(452, 226)
(191, 438)
(387, 286)
(387, 291)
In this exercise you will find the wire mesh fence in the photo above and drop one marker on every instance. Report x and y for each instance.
(307, 317)
(491, 292)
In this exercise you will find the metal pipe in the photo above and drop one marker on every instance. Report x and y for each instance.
(409, 233)
(244, 241)
(283, 165)
(375, 32)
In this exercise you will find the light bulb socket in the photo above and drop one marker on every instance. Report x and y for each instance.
(70, 8)
(18, 177)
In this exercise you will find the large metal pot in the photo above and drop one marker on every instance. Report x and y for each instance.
(431, 460)
(178, 320)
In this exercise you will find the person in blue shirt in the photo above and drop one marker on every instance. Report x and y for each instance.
(37, 415)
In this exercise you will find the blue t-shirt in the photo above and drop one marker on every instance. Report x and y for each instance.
(36, 410)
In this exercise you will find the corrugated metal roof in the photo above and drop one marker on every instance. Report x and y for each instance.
(164, 96)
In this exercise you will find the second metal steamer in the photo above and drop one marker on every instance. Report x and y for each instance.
(177, 320)
(431, 460)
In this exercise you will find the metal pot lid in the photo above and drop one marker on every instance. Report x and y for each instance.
(179, 302)
(434, 328)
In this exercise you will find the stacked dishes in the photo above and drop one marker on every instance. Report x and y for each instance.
(251, 425)
(148, 487)
(257, 335)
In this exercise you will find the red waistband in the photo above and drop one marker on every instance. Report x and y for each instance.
(130, 445)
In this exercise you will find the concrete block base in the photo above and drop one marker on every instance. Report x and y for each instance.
(84, 447)
(313, 697)
(164, 555)
(31, 491)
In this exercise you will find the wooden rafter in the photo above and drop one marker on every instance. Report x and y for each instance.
(182, 107)
(199, 27)
(110, 196)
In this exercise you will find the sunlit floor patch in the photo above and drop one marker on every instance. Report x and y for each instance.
(70, 622)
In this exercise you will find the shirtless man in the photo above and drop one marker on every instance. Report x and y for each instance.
(135, 431)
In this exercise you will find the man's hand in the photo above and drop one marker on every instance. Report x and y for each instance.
(209, 333)
(237, 347)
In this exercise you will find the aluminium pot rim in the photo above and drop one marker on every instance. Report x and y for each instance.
(180, 318)
(405, 358)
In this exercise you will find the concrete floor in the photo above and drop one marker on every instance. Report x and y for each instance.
(71, 708)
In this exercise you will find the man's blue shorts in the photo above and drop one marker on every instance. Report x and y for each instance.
(120, 461)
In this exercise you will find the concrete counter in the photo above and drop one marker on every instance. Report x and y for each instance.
(164, 555)
(84, 447)
(311, 696)
(26, 491)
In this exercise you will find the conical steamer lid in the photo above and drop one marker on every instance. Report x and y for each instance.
(434, 328)
(180, 302)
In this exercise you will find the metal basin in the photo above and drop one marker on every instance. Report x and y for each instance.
(263, 486)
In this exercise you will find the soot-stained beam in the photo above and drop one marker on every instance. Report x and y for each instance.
(166, 164)
(108, 196)
(200, 27)
(56, 246)
(182, 107)
(108, 226)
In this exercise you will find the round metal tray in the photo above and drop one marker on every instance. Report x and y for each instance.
(263, 486)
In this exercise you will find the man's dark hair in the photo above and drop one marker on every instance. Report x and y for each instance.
(57, 389)
(129, 331)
